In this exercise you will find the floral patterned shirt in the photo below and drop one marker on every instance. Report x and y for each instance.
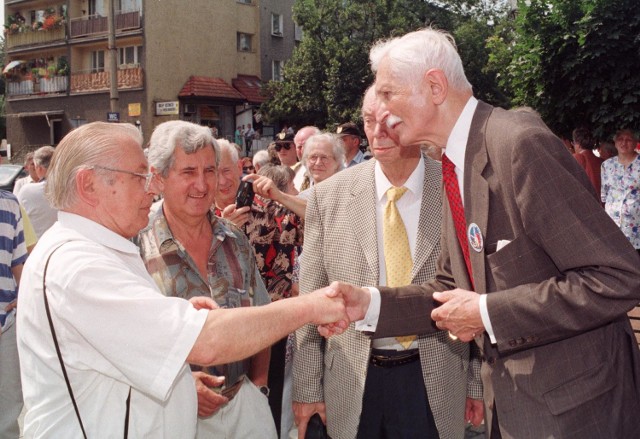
(621, 195)
(276, 234)
(232, 279)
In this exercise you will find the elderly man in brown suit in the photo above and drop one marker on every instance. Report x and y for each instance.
(346, 379)
(536, 274)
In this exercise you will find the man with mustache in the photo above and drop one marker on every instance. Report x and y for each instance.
(431, 379)
(532, 269)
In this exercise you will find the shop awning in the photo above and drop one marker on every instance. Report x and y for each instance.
(250, 87)
(49, 115)
(204, 86)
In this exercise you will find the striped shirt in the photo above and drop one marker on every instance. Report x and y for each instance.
(13, 252)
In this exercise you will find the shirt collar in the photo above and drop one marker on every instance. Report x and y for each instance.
(165, 238)
(457, 142)
(414, 183)
(96, 232)
(357, 159)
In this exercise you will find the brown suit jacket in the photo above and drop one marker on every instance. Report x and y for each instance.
(340, 244)
(566, 363)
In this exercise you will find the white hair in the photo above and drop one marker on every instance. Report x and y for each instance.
(168, 135)
(337, 148)
(415, 53)
(225, 145)
(260, 158)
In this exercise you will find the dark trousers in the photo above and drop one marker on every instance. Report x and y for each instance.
(395, 404)
(276, 380)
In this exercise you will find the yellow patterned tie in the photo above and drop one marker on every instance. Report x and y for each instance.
(397, 255)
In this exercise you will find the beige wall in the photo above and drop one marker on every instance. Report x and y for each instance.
(180, 42)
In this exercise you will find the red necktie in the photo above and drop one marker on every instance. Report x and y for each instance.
(457, 209)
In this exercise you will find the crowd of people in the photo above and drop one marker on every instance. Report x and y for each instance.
(462, 275)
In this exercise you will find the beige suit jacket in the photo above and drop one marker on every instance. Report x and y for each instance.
(341, 245)
(566, 363)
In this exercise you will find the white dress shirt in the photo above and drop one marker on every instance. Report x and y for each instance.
(455, 151)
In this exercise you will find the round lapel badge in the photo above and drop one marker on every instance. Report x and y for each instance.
(474, 235)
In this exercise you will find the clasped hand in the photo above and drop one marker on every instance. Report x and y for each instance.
(459, 313)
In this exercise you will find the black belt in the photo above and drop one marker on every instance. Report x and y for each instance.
(389, 358)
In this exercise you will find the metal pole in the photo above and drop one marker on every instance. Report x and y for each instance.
(113, 58)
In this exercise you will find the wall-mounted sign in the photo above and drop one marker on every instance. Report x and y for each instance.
(167, 108)
(113, 117)
(135, 109)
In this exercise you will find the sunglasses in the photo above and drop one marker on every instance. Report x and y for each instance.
(248, 168)
(279, 146)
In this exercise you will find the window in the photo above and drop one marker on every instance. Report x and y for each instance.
(97, 61)
(97, 7)
(244, 42)
(276, 71)
(129, 56)
(276, 25)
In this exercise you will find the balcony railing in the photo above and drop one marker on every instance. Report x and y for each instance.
(41, 86)
(28, 37)
(99, 81)
(96, 24)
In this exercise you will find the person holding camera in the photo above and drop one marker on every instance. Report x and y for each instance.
(190, 252)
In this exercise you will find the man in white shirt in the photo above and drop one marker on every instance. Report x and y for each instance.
(32, 177)
(302, 177)
(32, 198)
(118, 335)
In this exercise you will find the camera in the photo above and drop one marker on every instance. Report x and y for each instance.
(245, 194)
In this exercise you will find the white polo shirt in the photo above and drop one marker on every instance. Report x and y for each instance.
(115, 330)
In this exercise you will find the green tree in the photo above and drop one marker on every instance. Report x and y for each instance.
(575, 61)
(329, 71)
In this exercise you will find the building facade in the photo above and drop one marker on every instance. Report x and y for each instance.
(197, 60)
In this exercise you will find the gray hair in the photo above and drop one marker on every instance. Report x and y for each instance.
(169, 135)
(415, 53)
(42, 156)
(93, 144)
(225, 145)
(260, 158)
(337, 147)
(622, 131)
(281, 175)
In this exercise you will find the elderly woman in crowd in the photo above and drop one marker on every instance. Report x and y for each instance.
(323, 156)
(190, 252)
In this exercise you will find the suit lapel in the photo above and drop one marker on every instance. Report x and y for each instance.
(363, 197)
(476, 189)
(430, 215)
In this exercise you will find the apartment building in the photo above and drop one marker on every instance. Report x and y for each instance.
(197, 60)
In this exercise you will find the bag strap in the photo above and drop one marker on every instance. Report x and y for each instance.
(64, 369)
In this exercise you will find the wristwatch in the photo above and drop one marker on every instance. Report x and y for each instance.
(265, 390)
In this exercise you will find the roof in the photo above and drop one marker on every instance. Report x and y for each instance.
(250, 87)
(204, 86)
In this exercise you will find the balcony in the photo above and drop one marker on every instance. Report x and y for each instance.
(40, 86)
(128, 78)
(26, 36)
(98, 25)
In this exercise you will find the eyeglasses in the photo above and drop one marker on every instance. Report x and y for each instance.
(248, 168)
(318, 158)
(279, 146)
(148, 178)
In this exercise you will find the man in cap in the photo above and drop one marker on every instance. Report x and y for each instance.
(286, 149)
(351, 137)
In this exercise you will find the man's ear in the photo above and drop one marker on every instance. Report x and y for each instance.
(438, 85)
(158, 181)
(86, 187)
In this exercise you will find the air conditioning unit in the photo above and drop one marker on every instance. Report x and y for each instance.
(189, 108)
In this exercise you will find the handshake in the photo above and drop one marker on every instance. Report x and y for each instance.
(334, 307)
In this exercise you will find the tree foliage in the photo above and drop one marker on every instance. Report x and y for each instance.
(329, 71)
(575, 61)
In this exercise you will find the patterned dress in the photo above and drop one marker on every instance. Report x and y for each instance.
(621, 195)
